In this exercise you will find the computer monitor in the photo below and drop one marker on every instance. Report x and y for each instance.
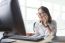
(11, 17)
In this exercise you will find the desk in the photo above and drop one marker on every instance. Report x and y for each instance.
(58, 39)
(51, 39)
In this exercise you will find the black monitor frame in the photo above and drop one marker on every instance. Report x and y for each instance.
(17, 22)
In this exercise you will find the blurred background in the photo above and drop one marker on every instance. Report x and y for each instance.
(29, 9)
(56, 7)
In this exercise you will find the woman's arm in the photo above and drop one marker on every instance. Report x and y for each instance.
(52, 28)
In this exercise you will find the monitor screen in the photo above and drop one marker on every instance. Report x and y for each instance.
(10, 17)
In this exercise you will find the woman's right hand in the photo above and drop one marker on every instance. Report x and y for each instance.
(29, 34)
(45, 20)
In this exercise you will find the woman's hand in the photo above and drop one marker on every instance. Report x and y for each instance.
(45, 20)
(29, 34)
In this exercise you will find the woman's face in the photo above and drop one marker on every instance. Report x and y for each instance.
(42, 15)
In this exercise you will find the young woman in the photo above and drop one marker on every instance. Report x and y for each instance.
(45, 26)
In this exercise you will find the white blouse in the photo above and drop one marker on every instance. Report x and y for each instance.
(41, 30)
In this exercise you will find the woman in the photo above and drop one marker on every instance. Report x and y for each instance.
(46, 26)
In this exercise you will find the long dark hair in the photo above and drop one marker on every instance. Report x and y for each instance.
(45, 9)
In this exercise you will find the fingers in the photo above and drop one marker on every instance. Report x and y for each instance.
(46, 17)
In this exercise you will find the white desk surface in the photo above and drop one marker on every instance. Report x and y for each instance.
(48, 39)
